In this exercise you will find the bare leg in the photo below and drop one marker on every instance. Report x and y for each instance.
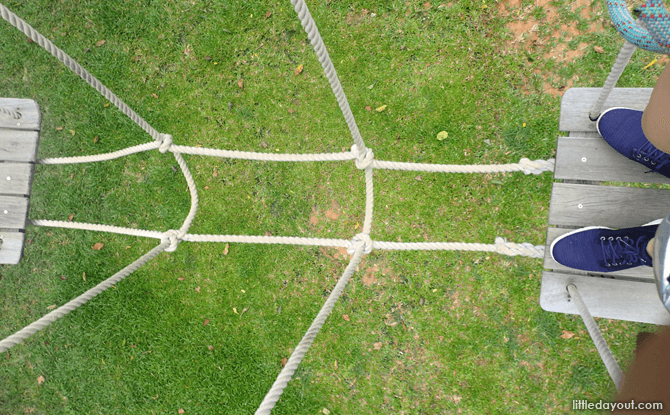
(656, 121)
(656, 118)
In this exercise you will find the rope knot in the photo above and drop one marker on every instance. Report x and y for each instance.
(166, 143)
(363, 161)
(537, 166)
(358, 240)
(171, 236)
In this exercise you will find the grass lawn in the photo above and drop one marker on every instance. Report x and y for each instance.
(204, 329)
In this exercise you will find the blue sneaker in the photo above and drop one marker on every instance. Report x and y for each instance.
(622, 129)
(601, 249)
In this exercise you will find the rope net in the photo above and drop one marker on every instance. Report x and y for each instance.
(359, 245)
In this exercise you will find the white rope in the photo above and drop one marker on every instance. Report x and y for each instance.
(359, 245)
(604, 350)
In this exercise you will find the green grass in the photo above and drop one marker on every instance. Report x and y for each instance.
(461, 332)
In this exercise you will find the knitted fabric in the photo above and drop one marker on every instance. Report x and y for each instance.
(654, 14)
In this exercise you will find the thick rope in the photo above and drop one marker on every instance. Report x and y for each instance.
(14, 114)
(45, 43)
(320, 49)
(296, 357)
(604, 350)
(63, 310)
(618, 68)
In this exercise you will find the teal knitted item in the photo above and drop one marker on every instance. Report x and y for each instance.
(655, 16)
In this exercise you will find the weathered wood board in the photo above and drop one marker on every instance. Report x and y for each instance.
(19, 139)
(583, 161)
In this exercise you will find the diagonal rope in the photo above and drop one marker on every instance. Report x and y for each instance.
(72, 305)
(296, 357)
(45, 43)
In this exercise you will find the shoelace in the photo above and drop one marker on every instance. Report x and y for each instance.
(653, 156)
(622, 248)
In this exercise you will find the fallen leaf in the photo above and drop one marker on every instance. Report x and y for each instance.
(59, 128)
(97, 246)
(69, 218)
(335, 365)
(225, 250)
(456, 398)
(100, 43)
(198, 289)
(268, 14)
(298, 70)
(215, 173)
(106, 105)
(268, 233)
(63, 277)
(283, 361)
(599, 49)
(72, 132)
(264, 144)
(208, 58)
(243, 311)
(442, 135)
(210, 347)
(378, 345)
(567, 334)
(235, 310)
(40, 379)
(369, 108)
(241, 83)
(181, 278)
(346, 317)
(382, 108)
(206, 187)
(325, 411)
(154, 95)
(181, 411)
(291, 111)
(29, 40)
(418, 178)
(95, 140)
(51, 307)
(84, 276)
(206, 322)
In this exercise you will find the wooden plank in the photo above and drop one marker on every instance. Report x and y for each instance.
(615, 207)
(31, 116)
(576, 104)
(593, 158)
(643, 273)
(16, 178)
(11, 250)
(13, 212)
(604, 297)
(18, 145)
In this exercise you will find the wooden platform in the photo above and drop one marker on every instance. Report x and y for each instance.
(19, 139)
(578, 199)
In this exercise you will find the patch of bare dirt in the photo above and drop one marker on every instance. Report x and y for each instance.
(526, 34)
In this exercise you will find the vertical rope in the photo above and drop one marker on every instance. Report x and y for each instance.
(604, 350)
(618, 68)
(320, 49)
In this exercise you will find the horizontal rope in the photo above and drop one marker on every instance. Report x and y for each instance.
(525, 165)
(501, 245)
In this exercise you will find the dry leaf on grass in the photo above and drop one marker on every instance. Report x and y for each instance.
(100, 43)
(378, 345)
(210, 347)
(567, 334)
(283, 361)
(51, 307)
(369, 108)
(181, 278)
(181, 411)
(225, 250)
(599, 49)
(97, 246)
(382, 108)
(40, 379)
(198, 289)
(298, 70)
(69, 218)
(268, 14)
(346, 317)
(206, 322)
(241, 83)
